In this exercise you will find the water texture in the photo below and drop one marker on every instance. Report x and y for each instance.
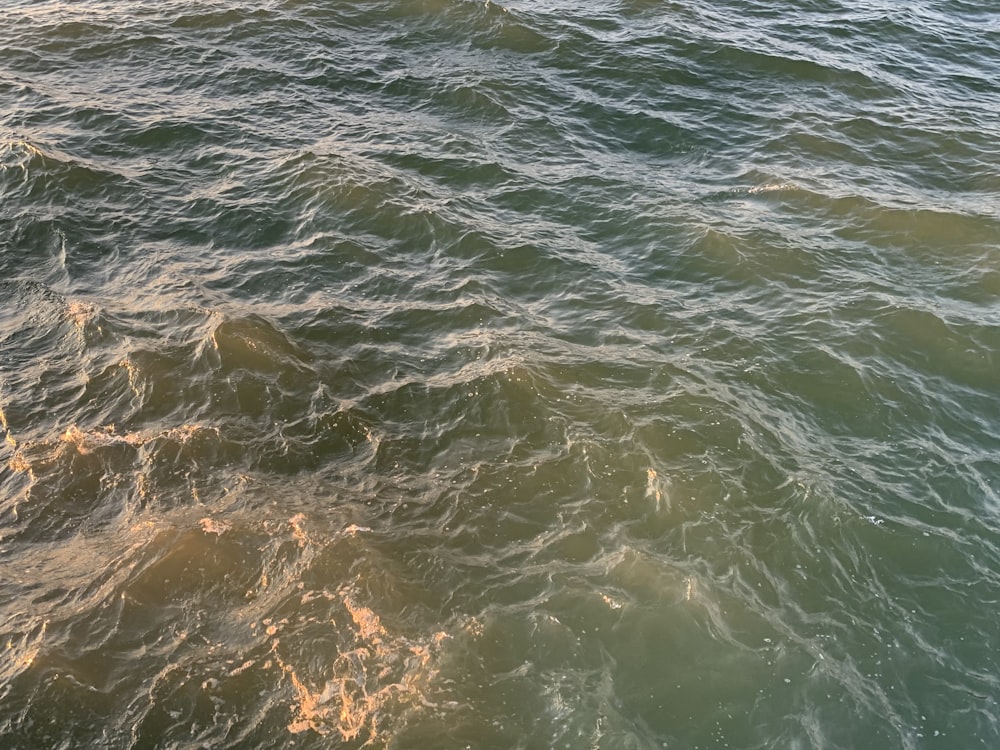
(452, 374)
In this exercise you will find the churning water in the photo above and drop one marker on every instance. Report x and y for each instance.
(453, 374)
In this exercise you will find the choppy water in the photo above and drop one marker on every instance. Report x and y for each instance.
(446, 374)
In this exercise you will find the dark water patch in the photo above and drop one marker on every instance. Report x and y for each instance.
(45, 177)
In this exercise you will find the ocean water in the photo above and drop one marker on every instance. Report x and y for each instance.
(458, 374)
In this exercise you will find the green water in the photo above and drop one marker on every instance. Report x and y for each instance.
(449, 374)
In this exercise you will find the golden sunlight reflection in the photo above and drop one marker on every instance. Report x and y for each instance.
(382, 674)
(8, 438)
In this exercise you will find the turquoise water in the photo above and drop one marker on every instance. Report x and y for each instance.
(447, 374)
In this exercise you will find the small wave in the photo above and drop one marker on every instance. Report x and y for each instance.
(18, 154)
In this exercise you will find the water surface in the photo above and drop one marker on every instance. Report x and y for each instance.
(438, 373)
